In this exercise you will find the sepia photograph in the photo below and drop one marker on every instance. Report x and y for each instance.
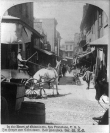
(54, 65)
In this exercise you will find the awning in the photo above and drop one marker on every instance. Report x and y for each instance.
(14, 30)
(12, 33)
(64, 59)
(70, 58)
(44, 51)
(101, 41)
(83, 55)
(47, 52)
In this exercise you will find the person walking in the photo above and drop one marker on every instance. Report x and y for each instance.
(64, 70)
(60, 73)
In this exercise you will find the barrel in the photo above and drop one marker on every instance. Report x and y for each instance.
(32, 113)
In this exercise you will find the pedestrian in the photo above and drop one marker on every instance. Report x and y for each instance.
(87, 77)
(69, 70)
(60, 73)
(81, 70)
(64, 70)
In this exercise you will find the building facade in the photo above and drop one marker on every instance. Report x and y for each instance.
(57, 43)
(20, 17)
(94, 37)
(94, 23)
(62, 51)
(67, 49)
(76, 39)
(49, 27)
(77, 49)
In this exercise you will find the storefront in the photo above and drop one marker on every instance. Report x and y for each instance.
(87, 58)
(15, 34)
(102, 57)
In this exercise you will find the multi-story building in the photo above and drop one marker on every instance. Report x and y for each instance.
(68, 49)
(57, 43)
(17, 24)
(94, 36)
(76, 39)
(94, 23)
(49, 27)
(62, 51)
(25, 13)
(77, 49)
(44, 44)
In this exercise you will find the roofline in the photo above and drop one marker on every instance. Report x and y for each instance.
(15, 19)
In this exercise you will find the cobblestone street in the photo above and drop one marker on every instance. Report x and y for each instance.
(74, 105)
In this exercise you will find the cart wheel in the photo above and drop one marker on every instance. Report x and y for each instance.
(32, 94)
(30, 84)
(31, 89)
(78, 83)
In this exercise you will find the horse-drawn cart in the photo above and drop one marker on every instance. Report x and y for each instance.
(18, 85)
(44, 78)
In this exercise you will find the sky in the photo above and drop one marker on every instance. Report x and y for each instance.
(67, 14)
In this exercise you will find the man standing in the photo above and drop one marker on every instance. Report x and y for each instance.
(64, 70)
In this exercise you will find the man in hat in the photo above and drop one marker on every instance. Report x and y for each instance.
(21, 62)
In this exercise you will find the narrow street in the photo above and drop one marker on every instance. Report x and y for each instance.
(74, 105)
(40, 41)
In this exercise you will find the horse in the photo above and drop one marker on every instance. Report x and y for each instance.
(46, 75)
